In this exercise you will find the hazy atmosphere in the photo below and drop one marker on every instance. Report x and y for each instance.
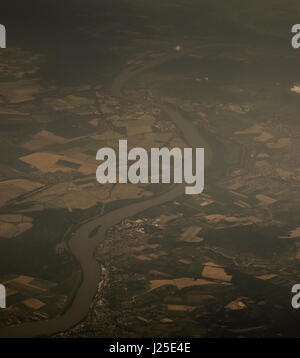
(84, 259)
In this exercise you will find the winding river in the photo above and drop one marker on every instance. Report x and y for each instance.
(82, 247)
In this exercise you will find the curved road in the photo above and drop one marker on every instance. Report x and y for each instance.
(83, 247)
